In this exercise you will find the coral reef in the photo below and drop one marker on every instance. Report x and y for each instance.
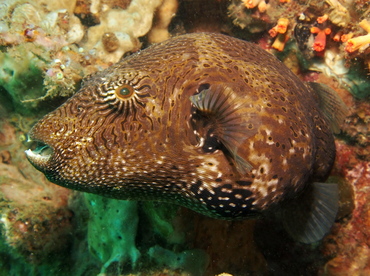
(35, 222)
(360, 43)
(47, 47)
(318, 27)
(21, 77)
(125, 26)
(349, 245)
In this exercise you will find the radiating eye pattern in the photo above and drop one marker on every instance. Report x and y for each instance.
(122, 95)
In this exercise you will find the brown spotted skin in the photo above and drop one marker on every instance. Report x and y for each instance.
(144, 146)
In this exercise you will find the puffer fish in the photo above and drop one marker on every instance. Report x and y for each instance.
(203, 120)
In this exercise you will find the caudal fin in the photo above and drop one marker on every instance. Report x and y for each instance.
(309, 217)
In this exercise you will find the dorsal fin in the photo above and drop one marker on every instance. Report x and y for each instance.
(231, 124)
(332, 106)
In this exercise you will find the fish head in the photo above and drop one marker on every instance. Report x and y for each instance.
(122, 133)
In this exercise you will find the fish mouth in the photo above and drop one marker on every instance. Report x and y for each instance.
(39, 154)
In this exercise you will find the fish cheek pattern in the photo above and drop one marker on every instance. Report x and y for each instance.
(93, 134)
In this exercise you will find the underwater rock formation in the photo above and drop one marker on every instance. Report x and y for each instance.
(35, 220)
(48, 46)
(124, 25)
(348, 245)
(162, 18)
(192, 262)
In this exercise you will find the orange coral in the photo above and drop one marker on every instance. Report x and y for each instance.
(337, 37)
(280, 31)
(322, 19)
(360, 42)
(320, 39)
(281, 27)
(346, 37)
(273, 31)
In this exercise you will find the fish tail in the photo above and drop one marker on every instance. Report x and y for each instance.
(310, 216)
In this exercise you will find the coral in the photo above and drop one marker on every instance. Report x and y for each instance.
(163, 16)
(30, 19)
(21, 76)
(280, 42)
(110, 42)
(357, 131)
(192, 262)
(280, 31)
(127, 26)
(47, 47)
(280, 28)
(112, 230)
(67, 5)
(245, 18)
(30, 76)
(338, 14)
(349, 246)
(322, 19)
(351, 77)
(260, 4)
(160, 216)
(37, 34)
(35, 222)
(346, 37)
(236, 11)
(320, 39)
(33, 35)
(361, 42)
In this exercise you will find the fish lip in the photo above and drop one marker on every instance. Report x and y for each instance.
(39, 155)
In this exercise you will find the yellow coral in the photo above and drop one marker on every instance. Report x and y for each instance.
(282, 25)
(360, 42)
(280, 42)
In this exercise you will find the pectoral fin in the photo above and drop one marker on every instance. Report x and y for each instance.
(227, 120)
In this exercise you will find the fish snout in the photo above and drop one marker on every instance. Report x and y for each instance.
(38, 153)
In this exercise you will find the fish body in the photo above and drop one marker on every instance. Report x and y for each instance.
(206, 121)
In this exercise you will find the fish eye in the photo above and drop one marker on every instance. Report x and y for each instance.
(124, 91)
